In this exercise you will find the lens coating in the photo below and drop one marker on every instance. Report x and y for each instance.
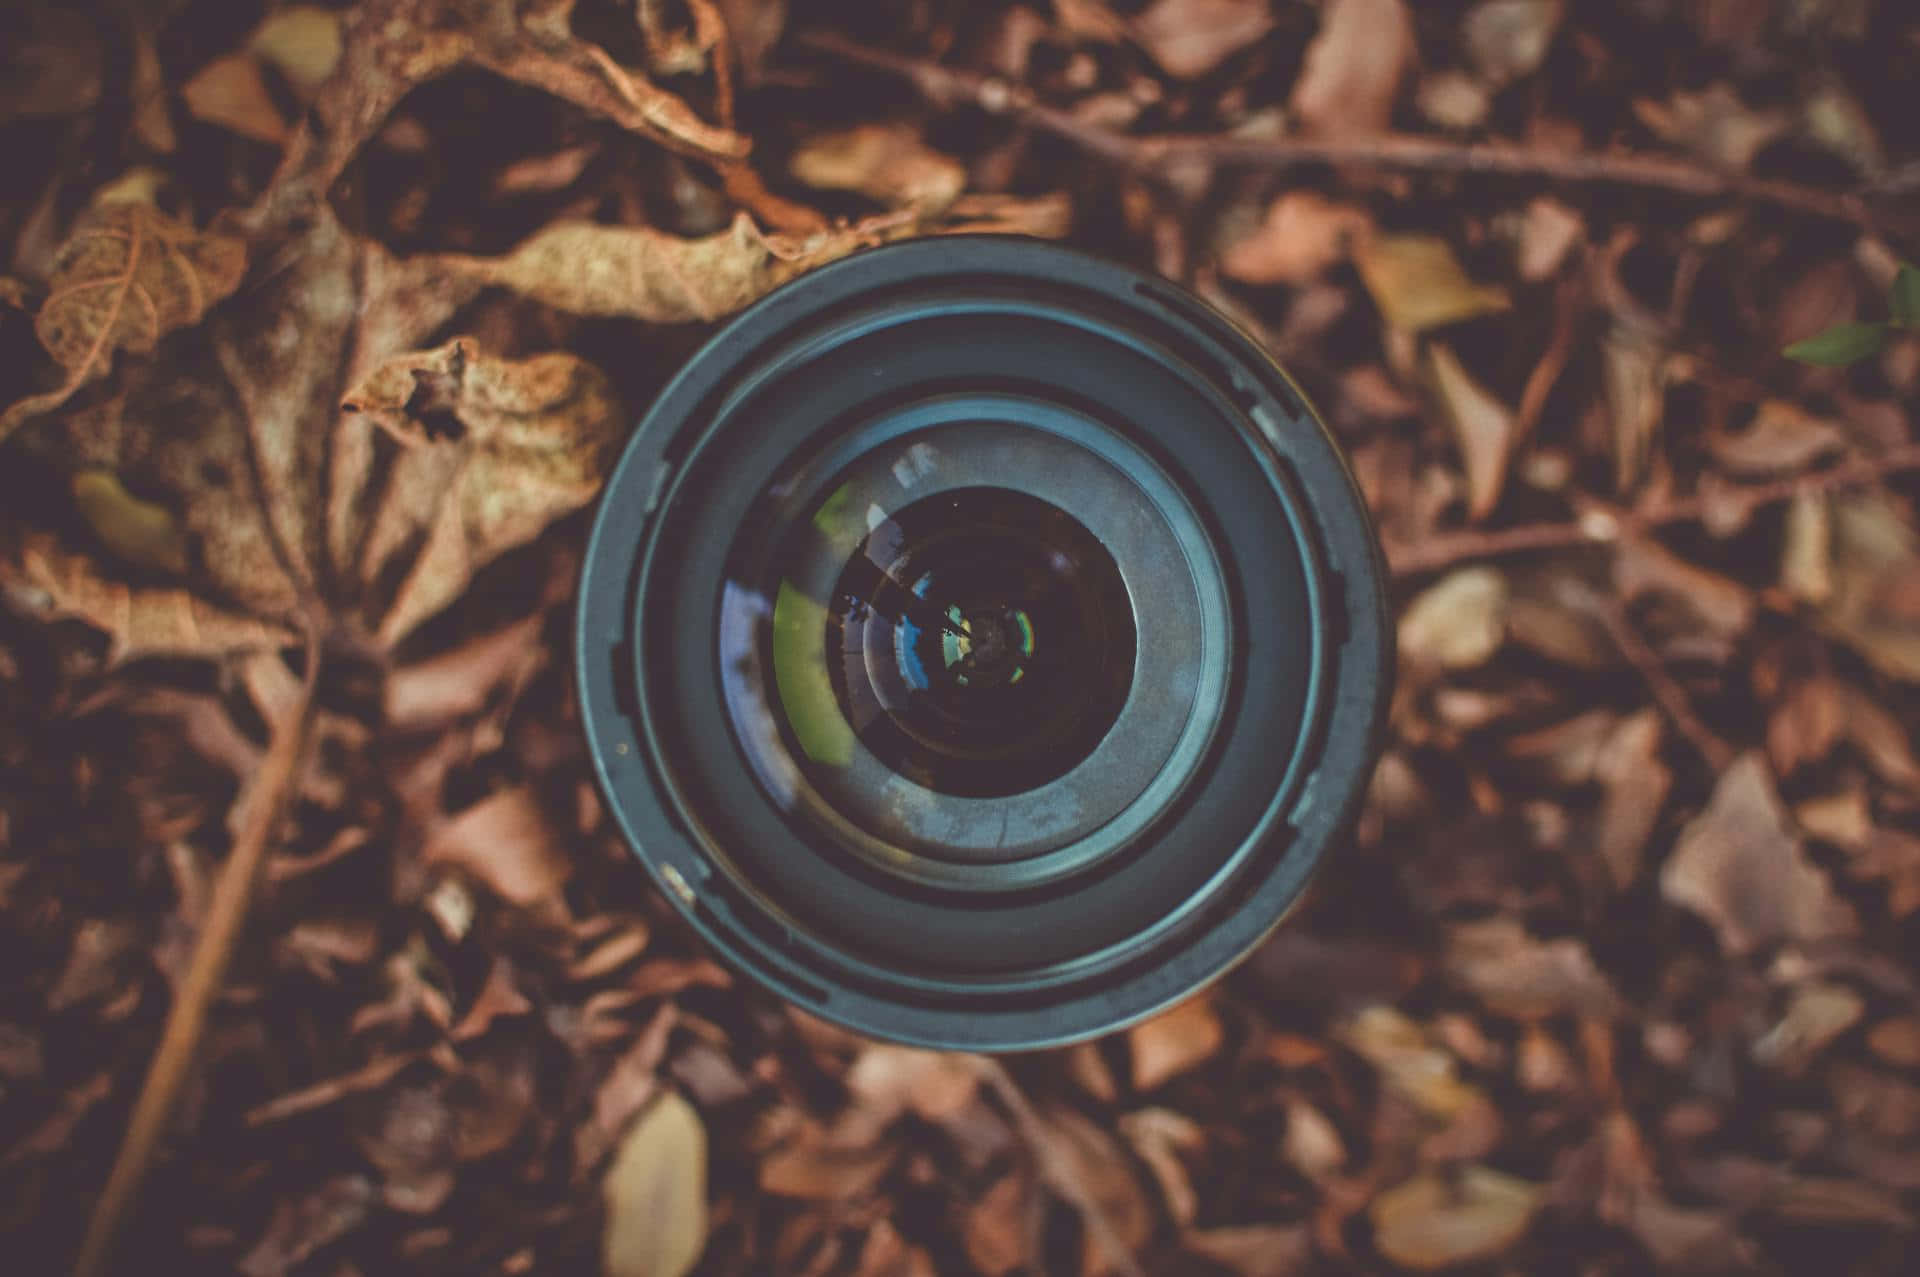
(980, 641)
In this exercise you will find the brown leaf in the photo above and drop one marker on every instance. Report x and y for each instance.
(890, 163)
(810, 1169)
(1079, 1161)
(1354, 66)
(410, 1138)
(494, 450)
(1806, 724)
(1509, 38)
(1634, 369)
(304, 1223)
(1548, 233)
(1418, 283)
(125, 278)
(302, 42)
(506, 842)
(1423, 1074)
(1876, 580)
(50, 63)
(1160, 1136)
(998, 1232)
(499, 996)
(1637, 784)
(1189, 38)
(1714, 124)
(1302, 235)
(656, 1194)
(1519, 976)
(1897, 1041)
(1782, 438)
(229, 92)
(1174, 1041)
(460, 682)
(1740, 865)
(1433, 1221)
(628, 1086)
(1643, 565)
(1818, 1013)
(1313, 1144)
(1256, 1250)
(1456, 623)
(891, 1080)
(1483, 427)
(1893, 857)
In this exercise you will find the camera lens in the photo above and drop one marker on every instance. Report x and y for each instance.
(981, 643)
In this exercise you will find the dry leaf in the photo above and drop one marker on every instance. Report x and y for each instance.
(1453, 99)
(1160, 1137)
(997, 1230)
(1897, 1041)
(1189, 38)
(1313, 1145)
(1714, 124)
(1547, 233)
(656, 1194)
(1637, 784)
(1891, 857)
(229, 92)
(1456, 623)
(506, 842)
(1433, 1221)
(125, 278)
(1509, 38)
(409, 1135)
(305, 1222)
(1080, 1162)
(888, 1080)
(494, 451)
(1806, 557)
(1353, 67)
(302, 41)
(1421, 1073)
(1482, 426)
(1818, 1014)
(1876, 582)
(637, 272)
(139, 532)
(1174, 1041)
(1724, 606)
(460, 682)
(1519, 976)
(809, 1168)
(1303, 234)
(886, 162)
(1634, 369)
(1740, 865)
(1256, 1250)
(1782, 439)
(1418, 283)
(50, 64)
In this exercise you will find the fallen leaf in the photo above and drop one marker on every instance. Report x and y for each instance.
(1892, 857)
(1548, 232)
(408, 1135)
(1256, 1250)
(229, 93)
(1740, 865)
(1818, 1014)
(1453, 99)
(139, 532)
(1806, 555)
(125, 278)
(1806, 724)
(809, 1168)
(1302, 235)
(1637, 783)
(656, 1194)
(886, 162)
(1722, 605)
(1434, 1221)
(1079, 1161)
(1897, 1041)
(997, 1231)
(1353, 67)
(50, 63)
(1881, 738)
(460, 682)
(629, 1085)
(305, 1222)
(1174, 1041)
(1160, 1137)
(1483, 427)
(494, 450)
(506, 842)
(1783, 438)
(1528, 979)
(1313, 1145)
(1189, 38)
(1876, 580)
(1714, 124)
(301, 41)
(1418, 283)
(1456, 623)
(1509, 38)
(1421, 1073)
(887, 1081)
(1633, 370)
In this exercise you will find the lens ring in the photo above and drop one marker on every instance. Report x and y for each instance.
(1019, 964)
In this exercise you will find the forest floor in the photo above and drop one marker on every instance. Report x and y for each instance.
(321, 325)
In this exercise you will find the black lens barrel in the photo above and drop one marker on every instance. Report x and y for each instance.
(981, 643)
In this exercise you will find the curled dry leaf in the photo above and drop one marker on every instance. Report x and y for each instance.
(136, 531)
(1547, 233)
(230, 93)
(886, 162)
(1519, 976)
(125, 278)
(1303, 234)
(1483, 427)
(656, 1194)
(1174, 1041)
(1354, 67)
(1740, 865)
(494, 450)
(1456, 623)
(1189, 38)
(1434, 1221)
(1782, 439)
(1818, 1013)
(1418, 283)
(506, 842)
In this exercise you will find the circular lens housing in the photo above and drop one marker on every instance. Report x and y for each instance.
(982, 643)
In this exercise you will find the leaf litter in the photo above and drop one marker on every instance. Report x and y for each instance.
(1566, 991)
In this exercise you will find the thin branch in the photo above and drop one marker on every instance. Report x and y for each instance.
(948, 87)
(1601, 524)
(1671, 697)
(261, 807)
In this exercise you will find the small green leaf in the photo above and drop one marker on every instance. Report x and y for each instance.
(1840, 345)
(1906, 297)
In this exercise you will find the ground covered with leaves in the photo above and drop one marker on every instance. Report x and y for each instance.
(320, 325)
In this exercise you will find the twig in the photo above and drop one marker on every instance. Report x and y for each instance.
(1601, 524)
(948, 87)
(262, 806)
(1056, 1170)
(1670, 695)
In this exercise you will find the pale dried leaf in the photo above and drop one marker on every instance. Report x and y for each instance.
(627, 1088)
(1714, 124)
(1876, 577)
(1353, 67)
(1189, 38)
(1079, 1161)
(1483, 427)
(1818, 1014)
(1434, 1221)
(1421, 1073)
(1548, 232)
(1782, 439)
(1174, 1041)
(1740, 865)
(1456, 623)
(1160, 1136)
(1637, 784)
(656, 1194)
(1844, 819)
(1418, 283)
(1806, 557)
(506, 842)
(1256, 1250)
(1453, 99)
(1519, 976)
(1723, 605)
(303, 42)
(1509, 38)
(1302, 235)
(1313, 1145)
(890, 163)
(460, 682)
(1634, 377)
(229, 93)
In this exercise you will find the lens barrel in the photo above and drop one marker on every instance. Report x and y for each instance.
(981, 643)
